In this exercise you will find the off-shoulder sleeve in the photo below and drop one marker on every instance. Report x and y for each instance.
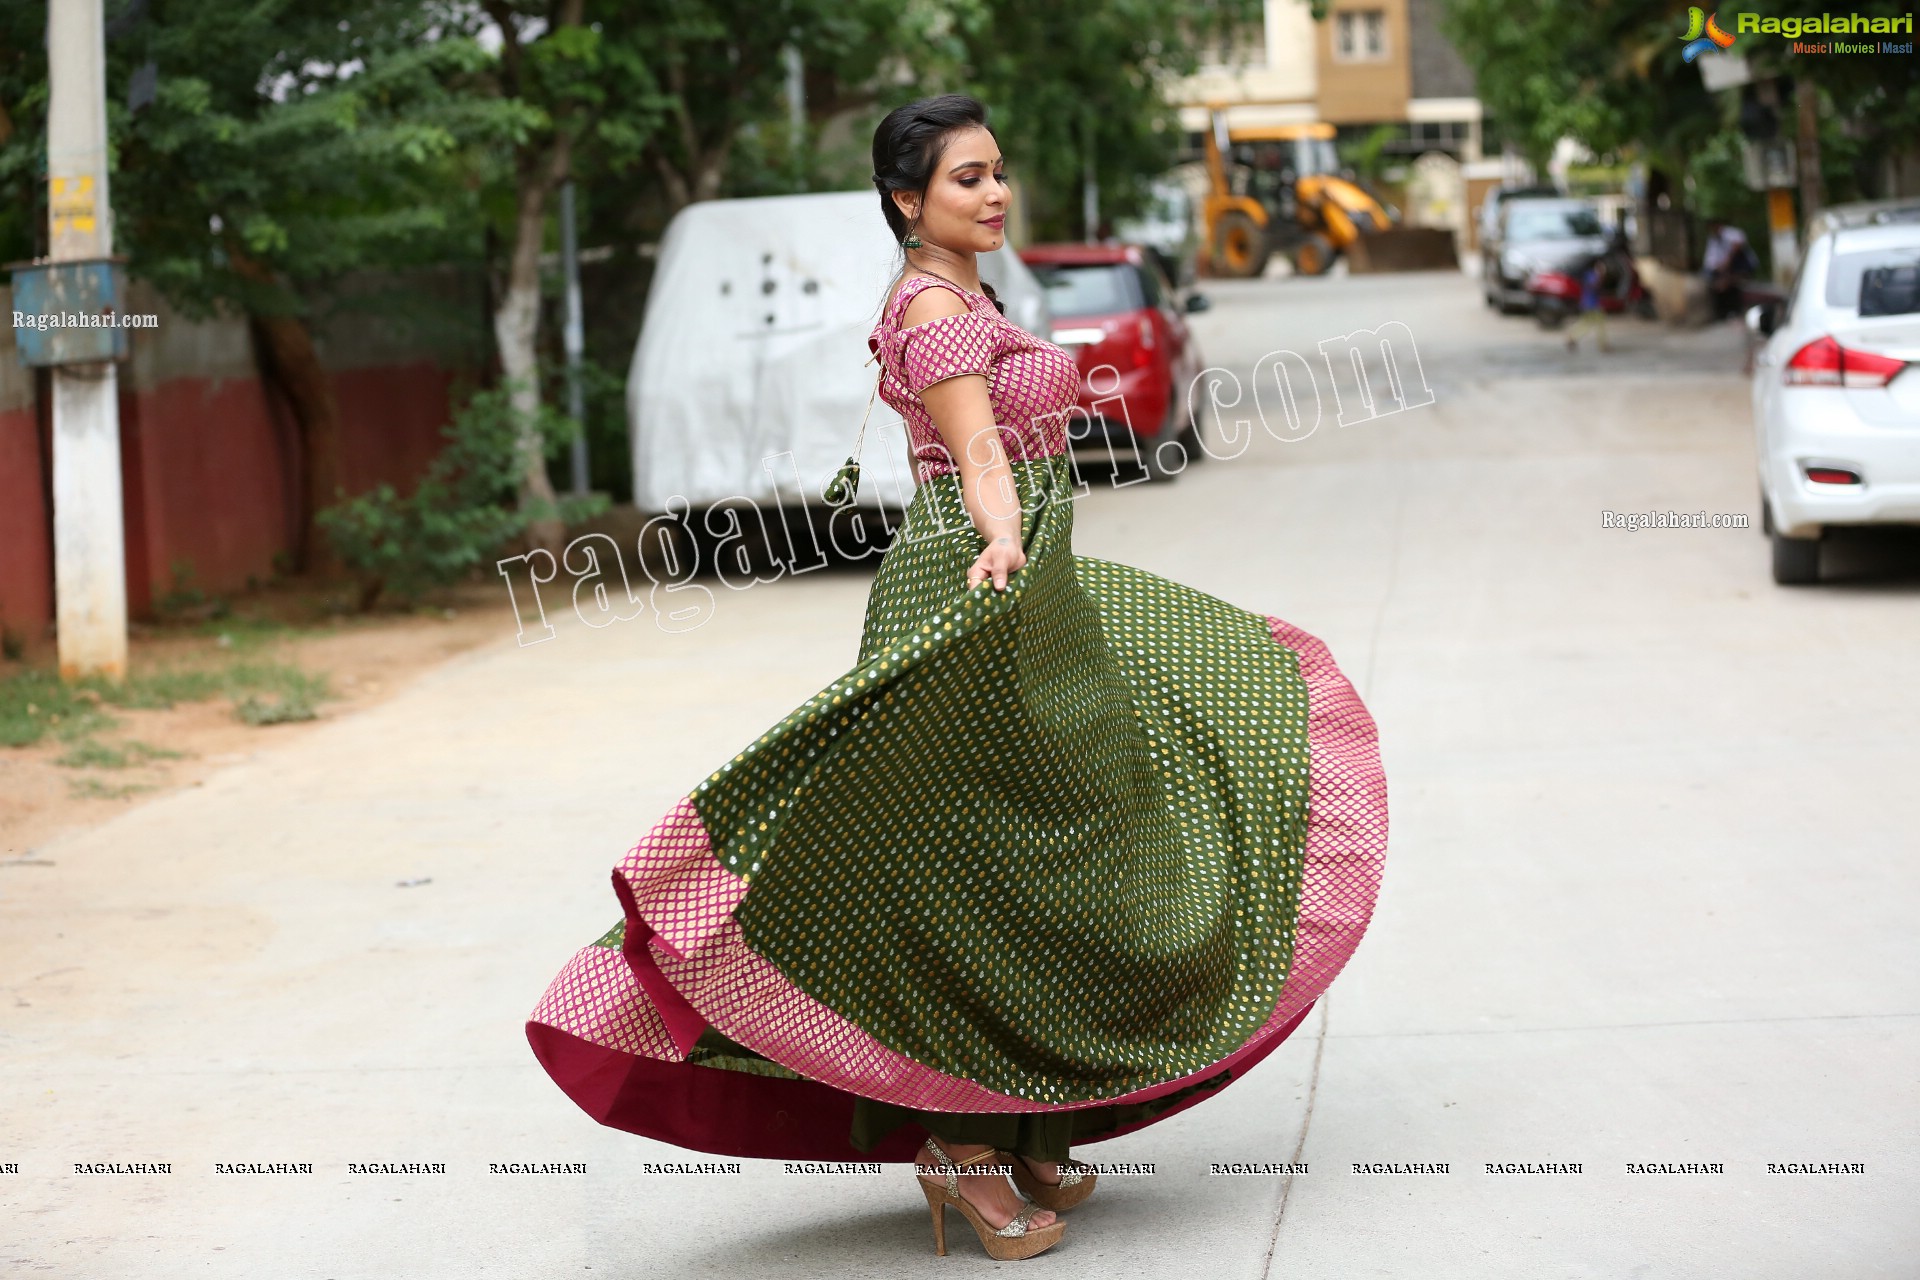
(946, 347)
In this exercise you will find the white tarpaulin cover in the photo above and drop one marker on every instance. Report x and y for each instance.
(750, 366)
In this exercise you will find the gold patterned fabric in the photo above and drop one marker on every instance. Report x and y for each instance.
(1087, 848)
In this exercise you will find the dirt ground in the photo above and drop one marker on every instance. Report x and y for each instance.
(364, 658)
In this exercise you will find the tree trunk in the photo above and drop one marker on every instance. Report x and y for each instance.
(289, 356)
(515, 327)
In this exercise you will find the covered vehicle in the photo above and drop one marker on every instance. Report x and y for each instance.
(752, 370)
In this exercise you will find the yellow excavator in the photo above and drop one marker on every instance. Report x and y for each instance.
(1278, 189)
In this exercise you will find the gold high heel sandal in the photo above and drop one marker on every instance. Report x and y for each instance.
(1018, 1239)
(1076, 1183)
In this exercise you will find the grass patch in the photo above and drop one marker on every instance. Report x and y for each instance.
(273, 692)
(249, 632)
(91, 753)
(94, 789)
(36, 703)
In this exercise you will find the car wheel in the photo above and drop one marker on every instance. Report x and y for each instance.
(1161, 467)
(1796, 561)
(1189, 439)
(1157, 472)
(1766, 513)
(1549, 313)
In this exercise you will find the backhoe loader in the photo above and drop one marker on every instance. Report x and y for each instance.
(1278, 189)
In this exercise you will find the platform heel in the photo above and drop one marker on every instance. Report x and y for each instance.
(1076, 1183)
(1018, 1239)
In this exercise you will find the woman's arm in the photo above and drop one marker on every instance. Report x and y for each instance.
(963, 414)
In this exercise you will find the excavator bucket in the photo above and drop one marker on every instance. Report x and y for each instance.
(1402, 249)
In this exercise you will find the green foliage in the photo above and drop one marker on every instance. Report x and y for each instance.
(1611, 76)
(273, 692)
(91, 788)
(91, 753)
(313, 137)
(603, 395)
(1368, 156)
(35, 703)
(1063, 79)
(186, 597)
(460, 514)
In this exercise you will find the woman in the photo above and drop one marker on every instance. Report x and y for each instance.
(1067, 850)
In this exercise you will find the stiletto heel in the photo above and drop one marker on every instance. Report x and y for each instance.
(1018, 1239)
(1076, 1183)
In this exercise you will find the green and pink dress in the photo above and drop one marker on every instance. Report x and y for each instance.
(1078, 853)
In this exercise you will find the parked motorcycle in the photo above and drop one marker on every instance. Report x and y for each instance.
(1556, 296)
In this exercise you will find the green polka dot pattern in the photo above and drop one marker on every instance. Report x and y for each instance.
(1048, 840)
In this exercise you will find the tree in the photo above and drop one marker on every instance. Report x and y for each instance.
(1611, 76)
(286, 144)
(1071, 81)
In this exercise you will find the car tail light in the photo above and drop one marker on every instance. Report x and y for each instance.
(1825, 363)
(1831, 475)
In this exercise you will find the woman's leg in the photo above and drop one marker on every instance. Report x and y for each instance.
(962, 1134)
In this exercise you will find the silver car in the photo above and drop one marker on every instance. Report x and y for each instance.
(1534, 234)
(1836, 393)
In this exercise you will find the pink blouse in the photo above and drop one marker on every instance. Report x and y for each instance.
(1031, 383)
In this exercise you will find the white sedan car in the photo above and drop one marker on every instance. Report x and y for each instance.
(1836, 393)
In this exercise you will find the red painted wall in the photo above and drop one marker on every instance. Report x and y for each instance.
(26, 553)
(208, 480)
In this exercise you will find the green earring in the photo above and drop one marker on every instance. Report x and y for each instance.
(911, 242)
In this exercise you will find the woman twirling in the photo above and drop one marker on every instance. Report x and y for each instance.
(1068, 849)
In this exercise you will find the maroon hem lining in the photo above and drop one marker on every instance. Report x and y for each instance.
(736, 1113)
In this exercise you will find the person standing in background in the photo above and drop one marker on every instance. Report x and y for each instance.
(1727, 263)
(1592, 314)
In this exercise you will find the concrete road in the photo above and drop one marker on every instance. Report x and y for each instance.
(1649, 898)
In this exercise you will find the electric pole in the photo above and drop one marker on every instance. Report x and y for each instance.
(573, 336)
(89, 537)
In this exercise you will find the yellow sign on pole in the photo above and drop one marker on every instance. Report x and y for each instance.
(71, 204)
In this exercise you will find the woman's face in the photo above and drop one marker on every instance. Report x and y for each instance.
(967, 197)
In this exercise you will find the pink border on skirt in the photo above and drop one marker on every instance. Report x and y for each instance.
(685, 963)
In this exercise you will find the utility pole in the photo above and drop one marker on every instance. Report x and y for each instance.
(796, 113)
(1089, 182)
(1807, 102)
(573, 335)
(1770, 162)
(89, 536)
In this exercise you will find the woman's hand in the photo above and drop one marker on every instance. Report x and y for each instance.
(1002, 557)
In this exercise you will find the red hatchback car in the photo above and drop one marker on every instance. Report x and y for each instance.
(1115, 309)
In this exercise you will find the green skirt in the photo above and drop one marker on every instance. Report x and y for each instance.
(1031, 872)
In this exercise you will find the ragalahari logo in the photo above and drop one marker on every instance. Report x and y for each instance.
(1703, 33)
